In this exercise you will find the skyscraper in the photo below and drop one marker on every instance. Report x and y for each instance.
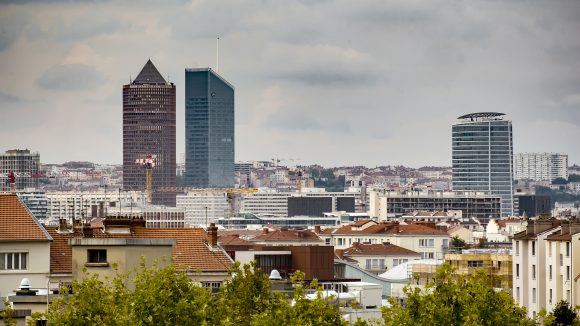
(209, 129)
(483, 156)
(149, 128)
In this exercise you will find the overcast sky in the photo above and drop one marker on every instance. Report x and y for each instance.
(329, 82)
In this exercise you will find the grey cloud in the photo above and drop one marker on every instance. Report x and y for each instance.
(330, 77)
(291, 120)
(5, 97)
(89, 25)
(11, 27)
(71, 77)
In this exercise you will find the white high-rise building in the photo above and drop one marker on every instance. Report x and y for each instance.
(202, 206)
(541, 166)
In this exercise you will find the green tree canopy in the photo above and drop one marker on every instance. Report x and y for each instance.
(456, 300)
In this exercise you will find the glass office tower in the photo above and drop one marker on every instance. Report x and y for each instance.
(483, 156)
(209, 130)
(149, 128)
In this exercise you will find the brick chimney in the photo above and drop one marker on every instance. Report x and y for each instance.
(212, 235)
(265, 231)
(317, 229)
(62, 225)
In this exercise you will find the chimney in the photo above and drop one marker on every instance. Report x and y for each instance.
(265, 230)
(387, 243)
(317, 229)
(212, 234)
(62, 227)
(542, 225)
(565, 227)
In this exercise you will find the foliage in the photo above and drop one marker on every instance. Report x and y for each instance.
(559, 181)
(458, 243)
(6, 314)
(574, 178)
(557, 195)
(456, 300)
(562, 315)
(164, 296)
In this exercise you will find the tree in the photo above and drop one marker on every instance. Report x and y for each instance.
(6, 314)
(562, 315)
(559, 181)
(574, 178)
(456, 300)
(458, 243)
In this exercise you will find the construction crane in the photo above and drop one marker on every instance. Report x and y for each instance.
(230, 193)
(149, 162)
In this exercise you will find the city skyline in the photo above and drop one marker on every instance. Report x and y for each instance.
(327, 82)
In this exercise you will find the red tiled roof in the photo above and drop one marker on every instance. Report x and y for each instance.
(60, 251)
(362, 222)
(288, 235)
(17, 223)
(233, 240)
(383, 249)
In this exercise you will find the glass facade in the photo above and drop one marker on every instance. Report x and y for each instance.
(482, 154)
(209, 130)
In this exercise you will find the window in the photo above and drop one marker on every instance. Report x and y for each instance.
(13, 261)
(445, 243)
(533, 272)
(517, 248)
(518, 293)
(550, 295)
(533, 295)
(561, 260)
(475, 263)
(567, 249)
(427, 243)
(517, 270)
(550, 269)
(375, 264)
(427, 255)
(398, 261)
(96, 256)
(533, 248)
(327, 241)
(567, 273)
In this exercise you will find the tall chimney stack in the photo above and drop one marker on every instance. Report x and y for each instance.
(212, 234)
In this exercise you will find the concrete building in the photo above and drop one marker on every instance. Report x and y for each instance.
(385, 204)
(24, 165)
(202, 208)
(276, 203)
(209, 130)
(530, 265)
(482, 155)
(36, 202)
(541, 166)
(149, 129)
(534, 205)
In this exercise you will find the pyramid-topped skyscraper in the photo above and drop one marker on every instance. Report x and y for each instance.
(149, 129)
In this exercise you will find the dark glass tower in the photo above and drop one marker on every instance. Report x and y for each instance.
(483, 156)
(149, 128)
(209, 130)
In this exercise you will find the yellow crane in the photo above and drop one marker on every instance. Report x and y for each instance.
(230, 193)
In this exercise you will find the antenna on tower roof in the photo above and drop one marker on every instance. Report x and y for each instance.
(217, 55)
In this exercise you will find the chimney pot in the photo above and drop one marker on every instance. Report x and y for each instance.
(212, 234)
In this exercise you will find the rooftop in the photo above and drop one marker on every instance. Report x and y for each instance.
(17, 223)
(477, 115)
(382, 249)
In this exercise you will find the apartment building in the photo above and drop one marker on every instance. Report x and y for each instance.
(25, 167)
(202, 208)
(76, 204)
(530, 266)
(378, 258)
(428, 241)
(541, 166)
(276, 203)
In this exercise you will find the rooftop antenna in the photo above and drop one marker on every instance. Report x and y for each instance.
(217, 55)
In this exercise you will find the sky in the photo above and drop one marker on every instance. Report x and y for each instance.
(330, 82)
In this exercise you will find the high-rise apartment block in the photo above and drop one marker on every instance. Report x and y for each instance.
(149, 129)
(482, 154)
(24, 166)
(541, 166)
(209, 129)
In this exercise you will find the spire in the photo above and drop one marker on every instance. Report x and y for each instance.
(149, 75)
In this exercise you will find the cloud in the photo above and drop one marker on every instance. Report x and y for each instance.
(5, 97)
(291, 120)
(11, 26)
(73, 77)
(83, 27)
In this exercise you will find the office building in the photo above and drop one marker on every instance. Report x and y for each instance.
(24, 165)
(533, 205)
(386, 204)
(36, 203)
(278, 203)
(482, 154)
(541, 166)
(149, 129)
(202, 208)
(209, 130)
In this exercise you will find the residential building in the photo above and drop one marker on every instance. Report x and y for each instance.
(209, 130)
(24, 246)
(149, 129)
(243, 171)
(497, 264)
(428, 241)
(288, 237)
(530, 264)
(503, 230)
(385, 204)
(541, 166)
(378, 258)
(482, 155)
(36, 202)
(25, 167)
(462, 233)
(249, 221)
